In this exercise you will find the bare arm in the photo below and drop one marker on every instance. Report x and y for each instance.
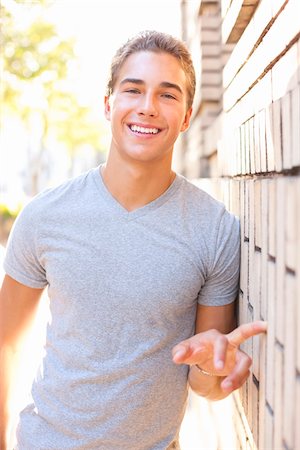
(215, 349)
(18, 306)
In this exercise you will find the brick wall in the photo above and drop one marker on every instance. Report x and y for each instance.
(245, 141)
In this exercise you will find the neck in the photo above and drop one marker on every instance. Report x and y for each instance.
(136, 185)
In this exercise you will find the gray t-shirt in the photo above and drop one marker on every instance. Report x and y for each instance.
(123, 288)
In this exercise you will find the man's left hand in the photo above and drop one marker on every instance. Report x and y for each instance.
(218, 353)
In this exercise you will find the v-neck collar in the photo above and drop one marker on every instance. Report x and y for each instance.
(123, 212)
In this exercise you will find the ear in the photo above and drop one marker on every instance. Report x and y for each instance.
(107, 107)
(187, 119)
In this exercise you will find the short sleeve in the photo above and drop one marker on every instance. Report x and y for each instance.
(222, 281)
(22, 260)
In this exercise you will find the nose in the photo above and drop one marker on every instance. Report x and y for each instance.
(147, 105)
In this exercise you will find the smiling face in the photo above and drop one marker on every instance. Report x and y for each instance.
(147, 109)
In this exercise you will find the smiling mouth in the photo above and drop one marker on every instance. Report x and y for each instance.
(143, 130)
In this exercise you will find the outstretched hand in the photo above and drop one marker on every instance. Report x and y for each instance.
(219, 354)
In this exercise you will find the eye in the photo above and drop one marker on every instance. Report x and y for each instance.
(170, 96)
(132, 91)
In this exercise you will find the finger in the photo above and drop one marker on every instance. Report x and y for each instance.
(220, 348)
(246, 331)
(240, 372)
(226, 384)
(181, 352)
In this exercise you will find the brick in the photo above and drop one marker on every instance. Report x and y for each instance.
(262, 141)
(286, 26)
(264, 248)
(211, 78)
(286, 131)
(269, 140)
(256, 281)
(270, 338)
(251, 145)
(248, 105)
(242, 149)
(262, 92)
(238, 149)
(209, 50)
(210, 36)
(246, 43)
(238, 422)
(297, 415)
(211, 64)
(272, 218)
(247, 144)
(298, 61)
(290, 223)
(236, 198)
(289, 373)
(257, 284)
(246, 230)
(278, 398)
(212, 136)
(295, 120)
(211, 93)
(257, 159)
(255, 410)
(251, 242)
(276, 134)
(269, 431)
(248, 346)
(280, 257)
(225, 192)
(257, 212)
(284, 73)
(242, 208)
(211, 23)
(297, 312)
(262, 391)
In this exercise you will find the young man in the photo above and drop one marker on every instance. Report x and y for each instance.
(142, 271)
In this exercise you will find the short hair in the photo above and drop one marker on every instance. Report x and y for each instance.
(157, 42)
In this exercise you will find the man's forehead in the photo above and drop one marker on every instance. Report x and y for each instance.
(162, 67)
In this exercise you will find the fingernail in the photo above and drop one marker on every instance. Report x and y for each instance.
(179, 353)
(219, 364)
(227, 384)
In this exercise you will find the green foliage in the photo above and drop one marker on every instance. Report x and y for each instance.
(35, 67)
(28, 56)
(33, 53)
(8, 213)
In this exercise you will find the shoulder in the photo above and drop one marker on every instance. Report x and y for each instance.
(53, 206)
(64, 194)
(207, 218)
(201, 204)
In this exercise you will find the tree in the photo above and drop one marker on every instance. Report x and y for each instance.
(35, 68)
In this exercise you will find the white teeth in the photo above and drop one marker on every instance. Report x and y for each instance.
(144, 130)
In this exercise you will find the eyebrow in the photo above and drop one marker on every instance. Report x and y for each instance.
(163, 84)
